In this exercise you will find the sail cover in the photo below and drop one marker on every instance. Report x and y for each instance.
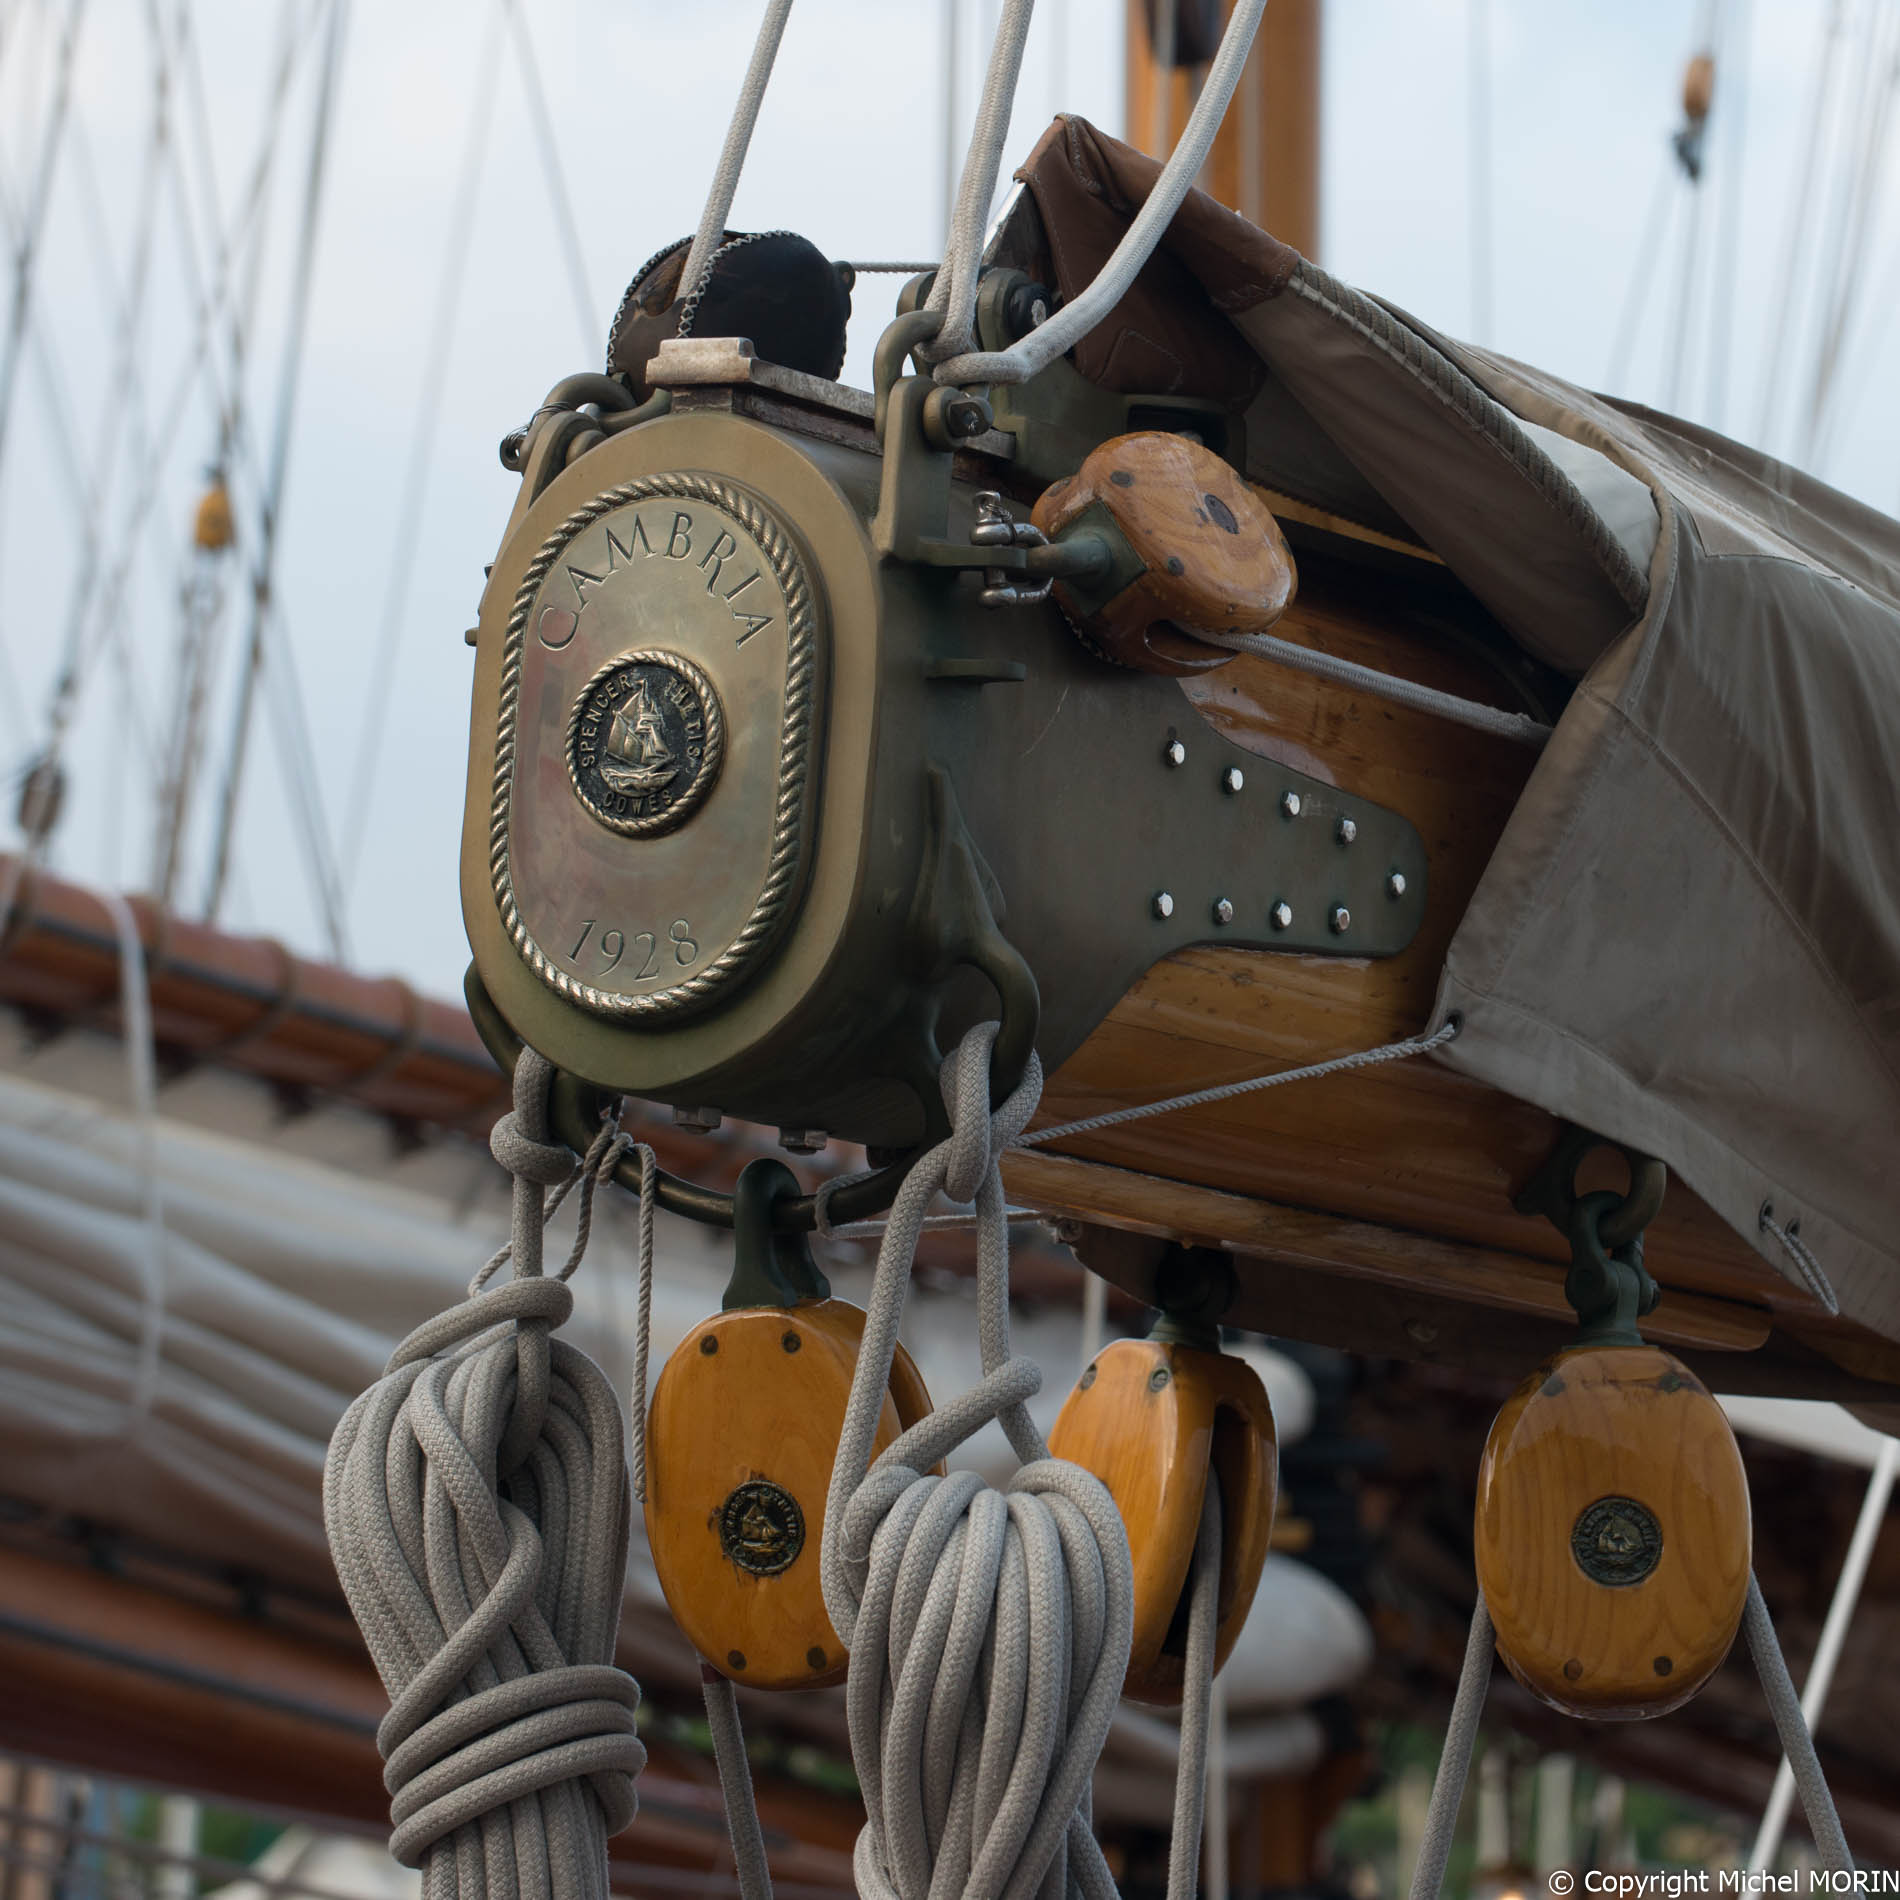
(1688, 937)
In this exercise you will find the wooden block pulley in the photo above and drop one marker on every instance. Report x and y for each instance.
(741, 1435)
(1157, 1422)
(1195, 551)
(1613, 1540)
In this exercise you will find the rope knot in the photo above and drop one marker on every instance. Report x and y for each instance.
(477, 1506)
(989, 1630)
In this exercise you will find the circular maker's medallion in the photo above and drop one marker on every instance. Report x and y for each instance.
(761, 1528)
(1616, 1541)
(645, 741)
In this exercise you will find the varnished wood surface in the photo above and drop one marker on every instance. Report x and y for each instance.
(757, 1396)
(1212, 555)
(1593, 1431)
(1156, 1422)
(1414, 1146)
(1297, 1238)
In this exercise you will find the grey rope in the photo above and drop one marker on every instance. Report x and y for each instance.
(1336, 1065)
(988, 1631)
(1069, 325)
(1797, 1742)
(1448, 1788)
(476, 1503)
(735, 1783)
(954, 290)
(1520, 727)
(745, 115)
(1454, 1765)
(1802, 1255)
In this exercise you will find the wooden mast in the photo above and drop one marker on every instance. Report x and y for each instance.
(1265, 162)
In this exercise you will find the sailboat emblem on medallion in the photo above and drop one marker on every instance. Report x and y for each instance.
(645, 741)
(637, 757)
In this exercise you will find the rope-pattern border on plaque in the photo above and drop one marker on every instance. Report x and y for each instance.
(795, 742)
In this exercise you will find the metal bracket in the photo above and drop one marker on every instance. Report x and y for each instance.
(770, 1267)
(1607, 1285)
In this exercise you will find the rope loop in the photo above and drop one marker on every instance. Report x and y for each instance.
(989, 1630)
(477, 1506)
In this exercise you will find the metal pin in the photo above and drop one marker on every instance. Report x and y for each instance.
(1281, 915)
(1347, 831)
(1163, 904)
(1232, 779)
(1289, 804)
(1340, 919)
(1395, 884)
(1174, 753)
(1223, 910)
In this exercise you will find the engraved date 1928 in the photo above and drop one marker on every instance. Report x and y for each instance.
(651, 953)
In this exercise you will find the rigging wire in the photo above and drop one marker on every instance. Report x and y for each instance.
(1734, 65)
(1478, 158)
(39, 198)
(1868, 182)
(1656, 223)
(543, 123)
(272, 510)
(121, 413)
(1714, 16)
(396, 588)
(109, 618)
(1850, 143)
(1799, 221)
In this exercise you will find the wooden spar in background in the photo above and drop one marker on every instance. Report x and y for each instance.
(1265, 162)
(115, 1677)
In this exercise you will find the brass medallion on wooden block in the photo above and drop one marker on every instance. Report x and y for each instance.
(1613, 1540)
(740, 1439)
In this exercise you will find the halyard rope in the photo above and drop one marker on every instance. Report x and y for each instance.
(1454, 1764)
(476, 1503)
(745, 115)
(989, 1631)
(1069, 325)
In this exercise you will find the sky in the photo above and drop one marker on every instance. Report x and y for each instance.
(439, 313)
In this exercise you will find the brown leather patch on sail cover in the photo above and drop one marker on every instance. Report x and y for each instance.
(1168, 335)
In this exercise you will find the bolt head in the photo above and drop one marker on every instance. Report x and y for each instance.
(1232, 779)
(1174, 753)
(1341, 920)
(704, 1119)
(1159, 1379)
(1223, 910)
(1163, 904)
(1289, 804)
(1281, 915)
(1395, 884)
(965, 416)
(803, 1141)
(1348, 831)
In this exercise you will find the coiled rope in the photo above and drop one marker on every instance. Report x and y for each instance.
(989, 1631)
(477, 1507)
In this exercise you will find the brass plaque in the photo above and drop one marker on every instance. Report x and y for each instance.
(653, 790)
